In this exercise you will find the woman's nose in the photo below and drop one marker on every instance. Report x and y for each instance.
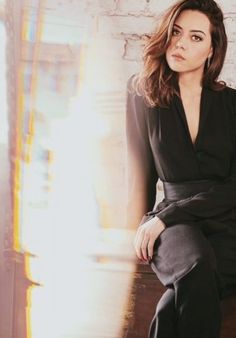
(181, 43)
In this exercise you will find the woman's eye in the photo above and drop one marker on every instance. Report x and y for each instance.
(196, 38)
(175, 32)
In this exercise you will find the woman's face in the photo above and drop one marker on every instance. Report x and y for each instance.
(190, 43)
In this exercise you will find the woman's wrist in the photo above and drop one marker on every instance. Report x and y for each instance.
(160, 221)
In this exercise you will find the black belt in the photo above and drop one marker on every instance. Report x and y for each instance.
(174, 191)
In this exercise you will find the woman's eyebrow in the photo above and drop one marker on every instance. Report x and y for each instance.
(192, 30)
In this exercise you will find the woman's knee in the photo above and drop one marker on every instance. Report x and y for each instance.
(178, 250)
(183, 243)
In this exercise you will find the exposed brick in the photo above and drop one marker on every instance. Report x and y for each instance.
(158, 6)
(133, 49)
(67, 34)
(230, 25)
(60, 8)
(116, 25)
(129, 68)
(109, 48)
(100, 6)
(132, 6)
(105, 74)
(227, 6)
(108, 75)
(231, 52)
(228, 74)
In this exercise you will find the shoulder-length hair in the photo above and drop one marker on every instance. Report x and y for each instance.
(156, 81)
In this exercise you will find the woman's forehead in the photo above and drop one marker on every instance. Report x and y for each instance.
(193, 20)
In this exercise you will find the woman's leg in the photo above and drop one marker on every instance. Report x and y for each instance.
(184, 260)
(163, 323)
(198, 303)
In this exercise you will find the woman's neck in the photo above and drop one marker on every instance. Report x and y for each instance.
(190, 83)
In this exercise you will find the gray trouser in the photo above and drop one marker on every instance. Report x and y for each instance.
(185, 263)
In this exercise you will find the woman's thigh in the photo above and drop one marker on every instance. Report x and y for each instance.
(224, 247)
(177, 250)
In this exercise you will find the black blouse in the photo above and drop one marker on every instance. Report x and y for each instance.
(159, 145)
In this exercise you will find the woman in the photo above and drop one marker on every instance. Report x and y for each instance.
(181, 128)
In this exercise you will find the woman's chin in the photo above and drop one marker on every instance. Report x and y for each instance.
(177, 68)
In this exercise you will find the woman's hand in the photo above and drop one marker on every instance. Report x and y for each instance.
(145, 237)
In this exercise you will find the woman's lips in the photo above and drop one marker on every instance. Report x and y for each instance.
(178, 57)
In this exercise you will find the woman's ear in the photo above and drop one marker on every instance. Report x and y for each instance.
(211, 53)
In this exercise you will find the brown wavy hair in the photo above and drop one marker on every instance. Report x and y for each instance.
(156, 81)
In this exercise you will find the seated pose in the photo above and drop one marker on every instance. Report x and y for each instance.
(181, 129)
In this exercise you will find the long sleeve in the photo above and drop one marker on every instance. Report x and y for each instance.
(141, 172)
(215, 202)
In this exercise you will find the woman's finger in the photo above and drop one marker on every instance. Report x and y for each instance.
(144, 245)
(150, 247)
(138, 243)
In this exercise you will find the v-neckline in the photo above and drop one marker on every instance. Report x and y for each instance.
(184, 118)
